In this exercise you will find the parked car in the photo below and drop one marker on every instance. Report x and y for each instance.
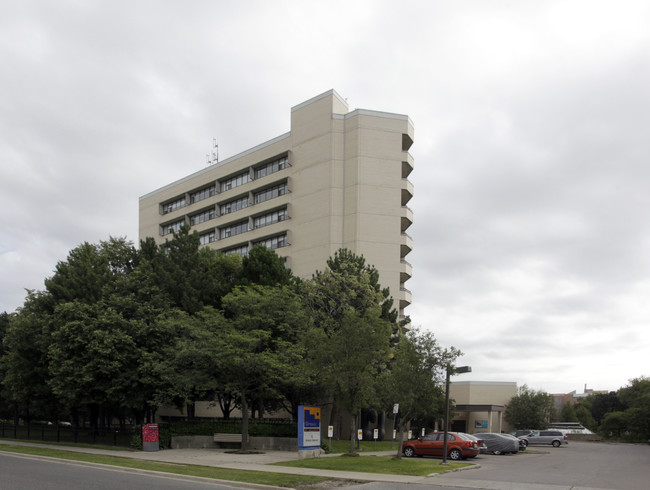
(481, 445)
(499, 443)
(520, 442)
(432, 445)
(541, 437)
(521, 432)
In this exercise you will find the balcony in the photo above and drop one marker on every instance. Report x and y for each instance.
(407, 165)
(406, 271)
(407, 141)
(405, 298)
(407, 218)
(407, 191)
(406, 245)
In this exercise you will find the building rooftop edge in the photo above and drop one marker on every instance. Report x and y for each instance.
(318, 97)
(224, 162)
(368, 112)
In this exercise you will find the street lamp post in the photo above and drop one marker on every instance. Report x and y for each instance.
(458, 370)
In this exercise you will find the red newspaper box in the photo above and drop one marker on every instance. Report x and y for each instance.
(150, 439)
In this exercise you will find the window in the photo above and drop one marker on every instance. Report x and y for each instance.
(274, 242)
(203, 216)
(174, 205)
(234, 229)
(272, 167)
(203, 194)
(241, 250)
(208, 237)
(271, 192)
(172, 227)
(236, 205)
(235, 181)
(270, 218)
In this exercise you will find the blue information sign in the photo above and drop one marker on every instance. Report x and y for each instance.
(308, 427)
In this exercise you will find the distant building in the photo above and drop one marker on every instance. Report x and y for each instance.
(337, 179)
(561, 399)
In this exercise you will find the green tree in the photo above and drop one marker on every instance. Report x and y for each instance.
(416, 378)
(614, 424)
(218, 274)
(347, 283)
(354, 324)
(264, 267)
(4, 326)
(177, 270)
(635, 397)
(584, 416)
(568, 413)
(24, 363)
(351, 358)
(193, 371)
(529, 409)
(602, 404)
(92, 358)
(258, 352)
(82, 277)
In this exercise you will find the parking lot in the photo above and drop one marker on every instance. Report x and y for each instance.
(580, 464)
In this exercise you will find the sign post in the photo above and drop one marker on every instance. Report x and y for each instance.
(395, 412)
(330, 433)
(375, 436)
(308, 427)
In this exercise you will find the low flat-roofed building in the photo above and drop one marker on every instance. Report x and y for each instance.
(480, 405)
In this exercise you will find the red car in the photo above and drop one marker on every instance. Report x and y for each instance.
(432, 445)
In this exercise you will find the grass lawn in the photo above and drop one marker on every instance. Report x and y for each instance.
(366, 446)
(261, 477)
(377, 464)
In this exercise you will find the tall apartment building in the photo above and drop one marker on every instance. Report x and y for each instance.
(337, 179)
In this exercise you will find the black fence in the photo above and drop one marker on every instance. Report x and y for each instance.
(82, 435)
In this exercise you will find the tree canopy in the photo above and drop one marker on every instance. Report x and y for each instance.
(120, 331)
(529, 409)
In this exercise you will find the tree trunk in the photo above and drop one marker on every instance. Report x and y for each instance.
(360, 427)
(225, 403)
(190, 410)
(244, 423)
(400, 439)
(353, 430)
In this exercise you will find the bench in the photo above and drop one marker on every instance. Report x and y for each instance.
(227, 438)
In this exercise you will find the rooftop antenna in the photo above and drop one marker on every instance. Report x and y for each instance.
(213, 156)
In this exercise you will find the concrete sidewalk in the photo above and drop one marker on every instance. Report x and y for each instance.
(221, 458)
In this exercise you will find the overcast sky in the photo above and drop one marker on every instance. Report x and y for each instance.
(532, 171)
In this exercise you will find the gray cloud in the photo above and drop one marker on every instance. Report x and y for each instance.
(531, 232)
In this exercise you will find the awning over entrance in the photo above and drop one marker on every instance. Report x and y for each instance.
(493, 425)
(479, 408)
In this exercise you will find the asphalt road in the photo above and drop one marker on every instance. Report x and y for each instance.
(19, 472)
(578, 465)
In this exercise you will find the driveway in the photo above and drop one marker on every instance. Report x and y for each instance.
(580, 464)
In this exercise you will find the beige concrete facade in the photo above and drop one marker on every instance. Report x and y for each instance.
(480, 405)
(337, 179)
